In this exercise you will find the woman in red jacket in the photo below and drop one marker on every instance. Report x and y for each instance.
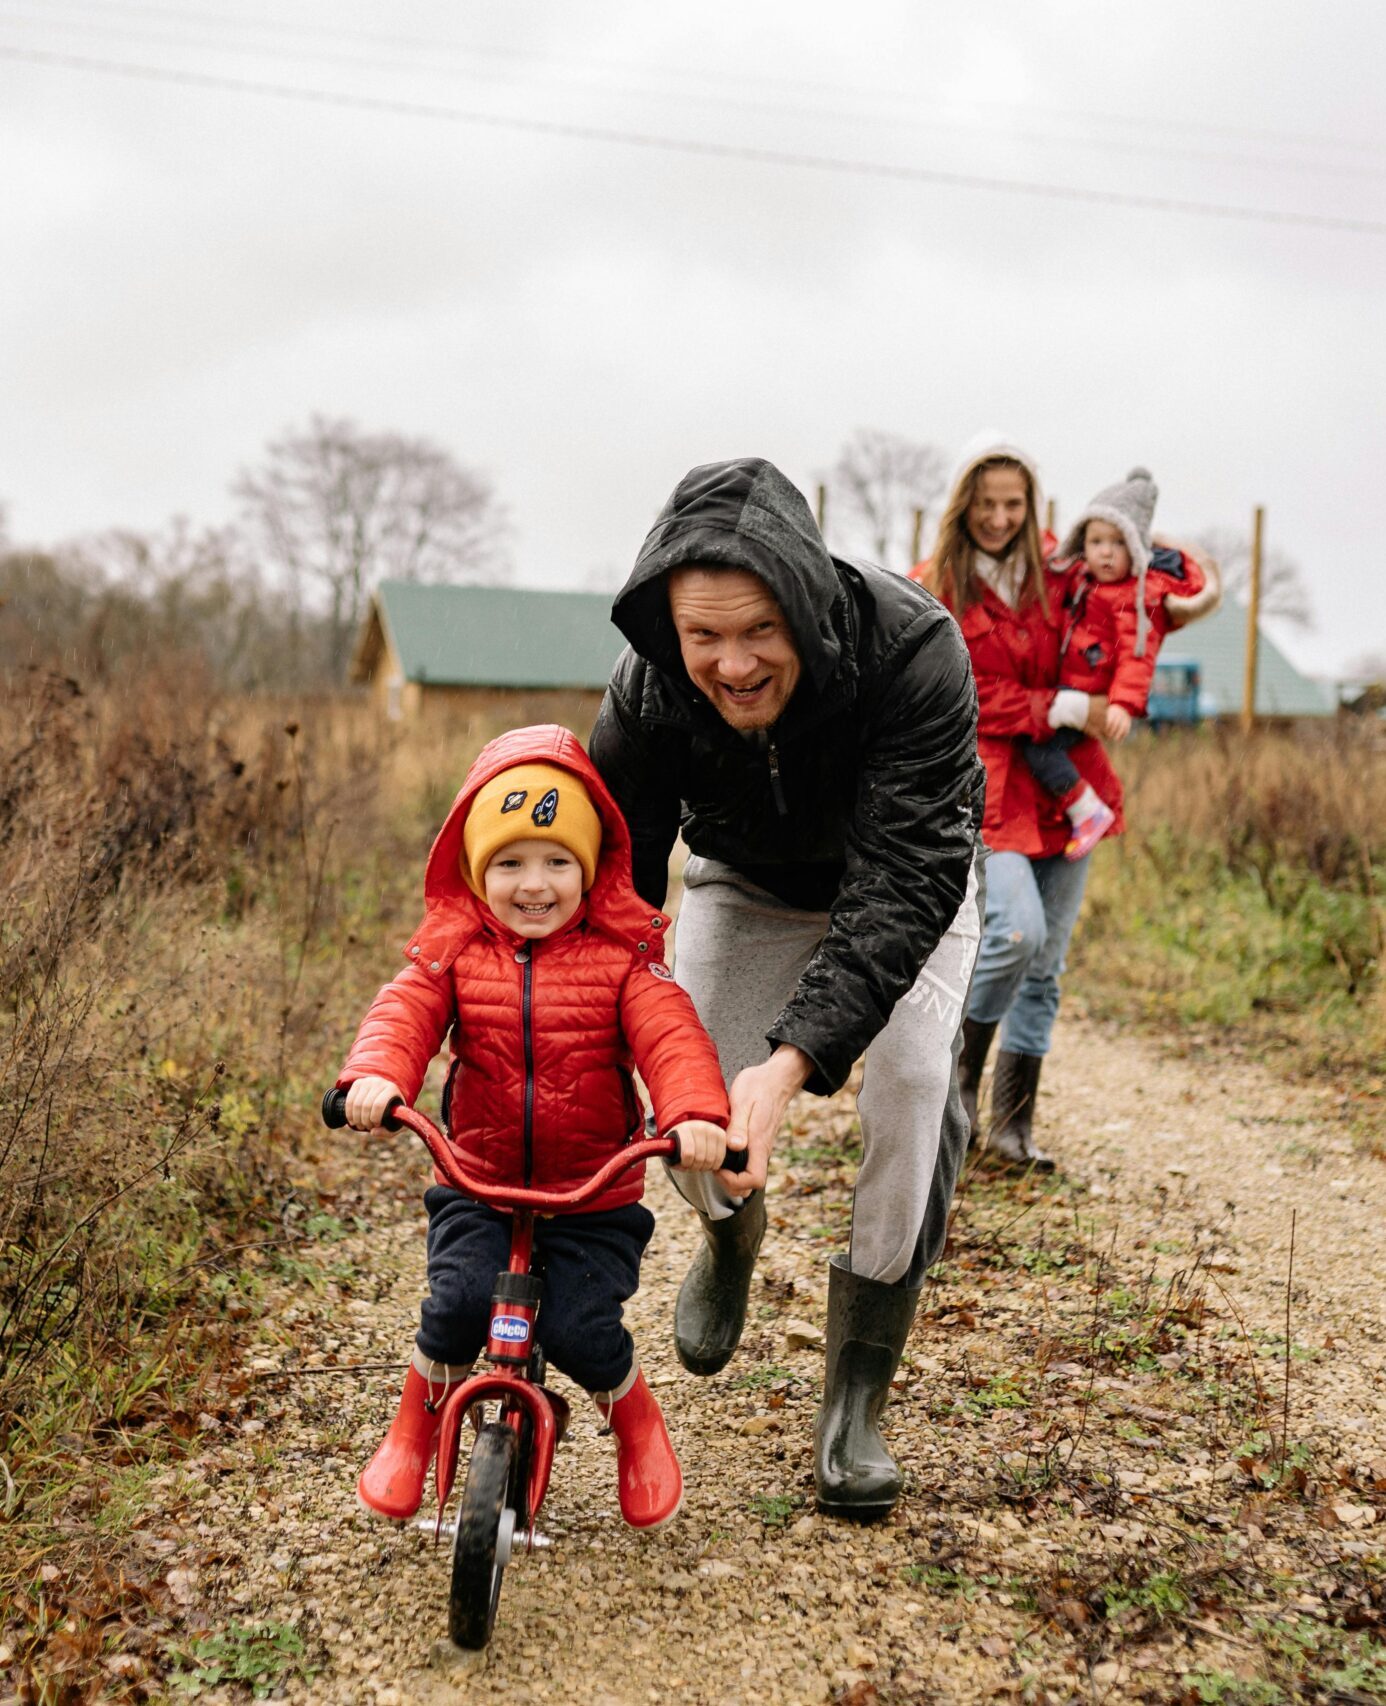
(990, 569)
(538, 959)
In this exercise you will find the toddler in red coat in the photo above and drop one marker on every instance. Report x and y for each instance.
(541, 963)
(1116, 587)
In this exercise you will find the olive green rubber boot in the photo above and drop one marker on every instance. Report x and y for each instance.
(711, 1309)
(868, 1323)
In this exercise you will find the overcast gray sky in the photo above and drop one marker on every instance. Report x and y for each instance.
(190, 268)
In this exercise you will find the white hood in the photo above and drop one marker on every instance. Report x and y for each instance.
(982, 447)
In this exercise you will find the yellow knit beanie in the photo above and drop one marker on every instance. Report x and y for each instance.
(530, 802)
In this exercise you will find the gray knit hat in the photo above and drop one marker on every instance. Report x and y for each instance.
(1129, 506)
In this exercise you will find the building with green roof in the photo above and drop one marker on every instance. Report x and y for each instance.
(1217, 644)
(527, 654)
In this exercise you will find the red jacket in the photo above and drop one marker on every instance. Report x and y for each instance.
(582, 1007)
(1098, 643)
(1015, 659)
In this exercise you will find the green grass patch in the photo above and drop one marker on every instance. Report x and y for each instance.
(1001, 1392)
(257, 1656)
(775, 1509)
(768, 1374)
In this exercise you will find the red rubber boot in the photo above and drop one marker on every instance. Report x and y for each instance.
(650, 1478)
(392, 1482)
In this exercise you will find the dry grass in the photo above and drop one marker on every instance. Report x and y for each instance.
(1247, 902)
(198, 894)
(1287, 807)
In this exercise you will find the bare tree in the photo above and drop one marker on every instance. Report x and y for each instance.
(192, 593)
(877, 483)
(1283, 592)
(339, 509)
(116, 600)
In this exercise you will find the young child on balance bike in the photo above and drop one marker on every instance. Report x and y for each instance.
(545, 967)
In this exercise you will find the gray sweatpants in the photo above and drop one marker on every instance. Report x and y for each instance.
(740, 954)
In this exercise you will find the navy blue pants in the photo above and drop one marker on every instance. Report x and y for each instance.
(1050, 764)
(589, 1265)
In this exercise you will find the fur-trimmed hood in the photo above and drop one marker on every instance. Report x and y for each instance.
(1188, 607)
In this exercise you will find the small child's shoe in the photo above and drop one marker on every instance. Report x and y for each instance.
(651, 1481)
(1088, 831)
(392, 1482)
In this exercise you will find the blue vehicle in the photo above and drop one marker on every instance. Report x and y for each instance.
(1175, 694)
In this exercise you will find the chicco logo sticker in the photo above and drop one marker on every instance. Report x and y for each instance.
(661, 972)
(547, 809)
(513, 802)
(514, 1329)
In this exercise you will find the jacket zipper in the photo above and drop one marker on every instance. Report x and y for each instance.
(773, 754)
(526, 959)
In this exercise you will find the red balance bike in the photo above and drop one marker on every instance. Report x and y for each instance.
(512, 1455)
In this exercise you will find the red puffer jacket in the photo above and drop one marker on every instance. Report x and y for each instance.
(1098, 648)
(1015, 659)
(543, 1033)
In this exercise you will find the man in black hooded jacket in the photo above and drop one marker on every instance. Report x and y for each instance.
(810, 726)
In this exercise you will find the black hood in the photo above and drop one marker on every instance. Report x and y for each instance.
(742, 514)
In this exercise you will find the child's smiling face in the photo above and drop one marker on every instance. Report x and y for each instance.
(1104, 550)
(534, 887)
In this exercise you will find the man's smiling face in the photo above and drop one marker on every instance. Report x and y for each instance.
(736, 643)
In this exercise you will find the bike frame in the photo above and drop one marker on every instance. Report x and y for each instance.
(514, 1309)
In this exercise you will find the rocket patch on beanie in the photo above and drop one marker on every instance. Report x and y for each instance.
(562, 812)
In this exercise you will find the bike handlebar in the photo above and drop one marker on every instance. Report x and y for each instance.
(400, 1115)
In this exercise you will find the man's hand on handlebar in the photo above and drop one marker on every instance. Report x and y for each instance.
(701, 1146)
(759, 1097)
(367, 1100)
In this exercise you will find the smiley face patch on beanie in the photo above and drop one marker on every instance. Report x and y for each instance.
(562, 812)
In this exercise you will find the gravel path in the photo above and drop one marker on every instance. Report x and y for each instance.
(1070, 1413)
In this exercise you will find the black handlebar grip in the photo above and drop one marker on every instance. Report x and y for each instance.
(734, 1161)
(334, 1111)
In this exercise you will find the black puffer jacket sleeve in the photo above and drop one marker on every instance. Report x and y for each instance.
(639, 779)
(910, 846)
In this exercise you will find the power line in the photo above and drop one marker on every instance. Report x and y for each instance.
(836, 165)
(735, 103)
(282, 26)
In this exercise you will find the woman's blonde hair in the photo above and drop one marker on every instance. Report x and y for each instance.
(953, 570)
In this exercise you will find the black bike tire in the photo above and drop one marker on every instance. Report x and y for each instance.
(476, 1577)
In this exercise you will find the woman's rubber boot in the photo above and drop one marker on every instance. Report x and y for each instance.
(1014, 1090)
(651, 1482)
(976, 1045)
(392, 1482)
(711, 1308)
(868, 1323)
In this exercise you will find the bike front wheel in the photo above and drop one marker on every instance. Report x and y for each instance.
(485, 1527)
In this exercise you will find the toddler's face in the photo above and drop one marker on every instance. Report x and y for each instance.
(534, 887)
(1105, 552)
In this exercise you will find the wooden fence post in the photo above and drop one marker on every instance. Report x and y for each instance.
(1253, 632)
(1050, 514)
(822, 507)
(916, 537)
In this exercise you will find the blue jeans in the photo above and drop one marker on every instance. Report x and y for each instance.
(1032, 906)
